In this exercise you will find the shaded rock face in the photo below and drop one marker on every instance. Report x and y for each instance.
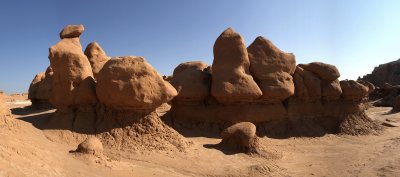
(352, 90)
(73, 83)
(192, 82)
(97, 57)
(384, 73)
(317, 80)
(396, 104)
(231, 79)
(385, 96)
(307, 84)
(241, 136)
(130, 83)
(272, 69)
(40, 89)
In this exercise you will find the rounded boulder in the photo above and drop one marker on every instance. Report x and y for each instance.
(130, 83)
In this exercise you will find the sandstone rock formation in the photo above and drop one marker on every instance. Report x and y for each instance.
(231, 81)
(72, 31)
(331, 90)
(353, 90)
(241, 136)
(272, 69)
(384, 73)
(191, 81)
(40, 89)
(130, 83)
(91, 145)
(73, 83)
(307, 84)
(97, 57)
(324, 71)
(302, 100)
(125, 103)
(396, 104)
(385, 96)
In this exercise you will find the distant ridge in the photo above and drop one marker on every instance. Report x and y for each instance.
(384, 73)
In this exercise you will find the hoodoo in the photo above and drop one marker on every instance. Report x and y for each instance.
(126, 99)
(73, 83)
(231, 79)
(97, 57)
(272, 69)
(262, 84)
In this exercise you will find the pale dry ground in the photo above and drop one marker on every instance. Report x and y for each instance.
(28, 151)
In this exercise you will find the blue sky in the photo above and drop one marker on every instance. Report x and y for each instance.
(354, 35)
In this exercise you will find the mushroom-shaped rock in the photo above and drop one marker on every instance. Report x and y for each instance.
(72, 31)
(191, 81)
(240, 136)
(73, 83)
(231, 79)
(308, 85)
(331, 90)
(97, 57)
(130, 83)
(91, 145)
(322, 70)
(272, 69)
(352, 90)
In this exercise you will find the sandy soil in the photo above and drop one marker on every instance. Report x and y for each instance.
(29, 151)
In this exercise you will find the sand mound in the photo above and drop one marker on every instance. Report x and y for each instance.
(6, 119)
(138, 133)
(359, 125)
(117, 130)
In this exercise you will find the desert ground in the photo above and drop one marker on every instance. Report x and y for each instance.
(26, 150)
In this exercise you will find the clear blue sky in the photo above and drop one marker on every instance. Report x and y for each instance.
(354, 35)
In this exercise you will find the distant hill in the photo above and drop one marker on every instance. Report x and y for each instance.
(384, 73)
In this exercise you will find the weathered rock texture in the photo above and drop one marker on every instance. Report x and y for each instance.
(353, 90)
(306, 99)
(73, 83)
(97, 57)
(122, 108)
(72, 31)
(241, 136)
(192, 81)
(40, 89)
(232, 82)
(396, 104)
(322, 70)
(130, 83)
(272, 69)
(384, 73)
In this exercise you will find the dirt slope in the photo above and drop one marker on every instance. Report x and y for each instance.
(28, 151)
